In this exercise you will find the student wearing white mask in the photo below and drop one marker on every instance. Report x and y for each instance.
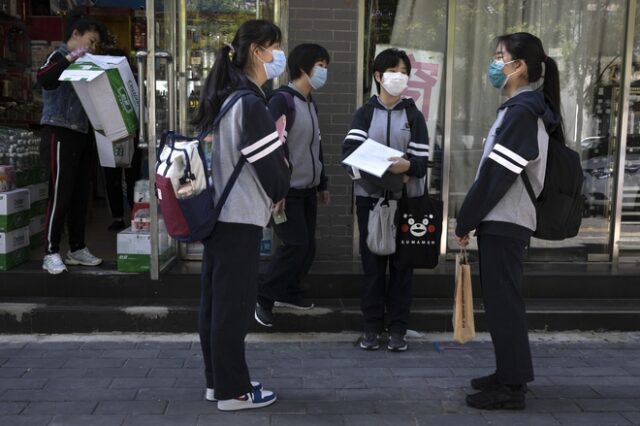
(392, 120)
(281, 285)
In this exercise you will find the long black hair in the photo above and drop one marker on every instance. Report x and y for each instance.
(528, 48)
(83, 23)
(228, 72)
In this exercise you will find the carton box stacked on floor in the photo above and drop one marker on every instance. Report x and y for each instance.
(134, 249)
(134, 243)
(39, 194)
(14, 228)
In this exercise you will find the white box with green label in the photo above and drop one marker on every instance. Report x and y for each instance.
(14, 248)
(14, 209)
(108, 92)
(134, 249)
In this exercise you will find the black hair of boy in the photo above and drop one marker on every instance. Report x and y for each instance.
(390, 58)
(83, 23)
(303, 57)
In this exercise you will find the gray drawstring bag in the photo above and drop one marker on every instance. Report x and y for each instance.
(381, 238)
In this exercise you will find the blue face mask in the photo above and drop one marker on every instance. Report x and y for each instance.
(497, 78)
(276, 67)
(318, 77)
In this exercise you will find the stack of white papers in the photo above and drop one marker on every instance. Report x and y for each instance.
(372, 157)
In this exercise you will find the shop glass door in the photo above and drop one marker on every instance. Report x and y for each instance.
(182, 37)
(629, 243)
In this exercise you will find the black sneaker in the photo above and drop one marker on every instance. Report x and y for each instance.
(489, 382)
(397, 343)
(294, 304)
(263, 316)
(499, 397)
(369, 341)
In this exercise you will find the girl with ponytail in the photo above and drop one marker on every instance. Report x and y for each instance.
(246, 136)
(500, 210)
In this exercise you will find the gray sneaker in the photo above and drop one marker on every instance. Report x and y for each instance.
(397, 343)
(53, 264)
(369, 341)
(82, 257)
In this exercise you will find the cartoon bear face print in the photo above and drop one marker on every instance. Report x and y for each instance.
(417, 229)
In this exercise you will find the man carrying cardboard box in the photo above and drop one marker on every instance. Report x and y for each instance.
(67, 146)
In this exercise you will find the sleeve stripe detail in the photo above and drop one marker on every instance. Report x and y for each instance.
(418, 153)
(505, 163)
(357, 138)
(262, 142)
(358, 132)
(275, 145)
(510, 154)
(419, 145)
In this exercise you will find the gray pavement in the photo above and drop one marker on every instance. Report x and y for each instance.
(582, 379)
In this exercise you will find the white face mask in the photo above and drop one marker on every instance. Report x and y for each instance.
(395, 82)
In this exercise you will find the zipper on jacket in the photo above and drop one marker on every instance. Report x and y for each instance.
(313, 133)
(389, 128)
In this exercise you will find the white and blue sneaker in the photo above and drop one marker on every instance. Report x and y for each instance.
(256, 399)
(209, 395)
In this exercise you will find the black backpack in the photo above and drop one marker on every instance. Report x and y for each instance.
(560, 204)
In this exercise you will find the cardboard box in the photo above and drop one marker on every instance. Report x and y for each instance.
(14, 248)
(14, 209)
(37, 224)
(38, 191)
(36, 240)
(108, 93)
(134, 250)
(38, 208)
(114, 154)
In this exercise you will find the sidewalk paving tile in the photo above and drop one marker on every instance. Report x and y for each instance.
(88, 420)
(25, 420)
(591, 419)
(60, 407)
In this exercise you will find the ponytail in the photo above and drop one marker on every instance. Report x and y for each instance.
(551, 90)
(228, 73)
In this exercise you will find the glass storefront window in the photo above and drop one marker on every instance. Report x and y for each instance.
(586, 39)
(630, 220)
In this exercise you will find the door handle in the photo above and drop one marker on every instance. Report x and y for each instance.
(141, 57)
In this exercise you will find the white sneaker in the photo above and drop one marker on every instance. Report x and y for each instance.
(209, 394)
(82, 257)
(53, 264)
(255, 399)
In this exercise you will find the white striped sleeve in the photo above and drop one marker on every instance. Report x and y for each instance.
(262, 147)
(505, 163)
(357, 134)
(418, 149)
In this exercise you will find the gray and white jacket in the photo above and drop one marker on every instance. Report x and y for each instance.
(248, 130)
(302, 136)
(498, 203)
(401, 127)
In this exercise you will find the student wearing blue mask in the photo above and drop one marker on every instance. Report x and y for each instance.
(281, 285)
(246, 135)
(498, 207)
